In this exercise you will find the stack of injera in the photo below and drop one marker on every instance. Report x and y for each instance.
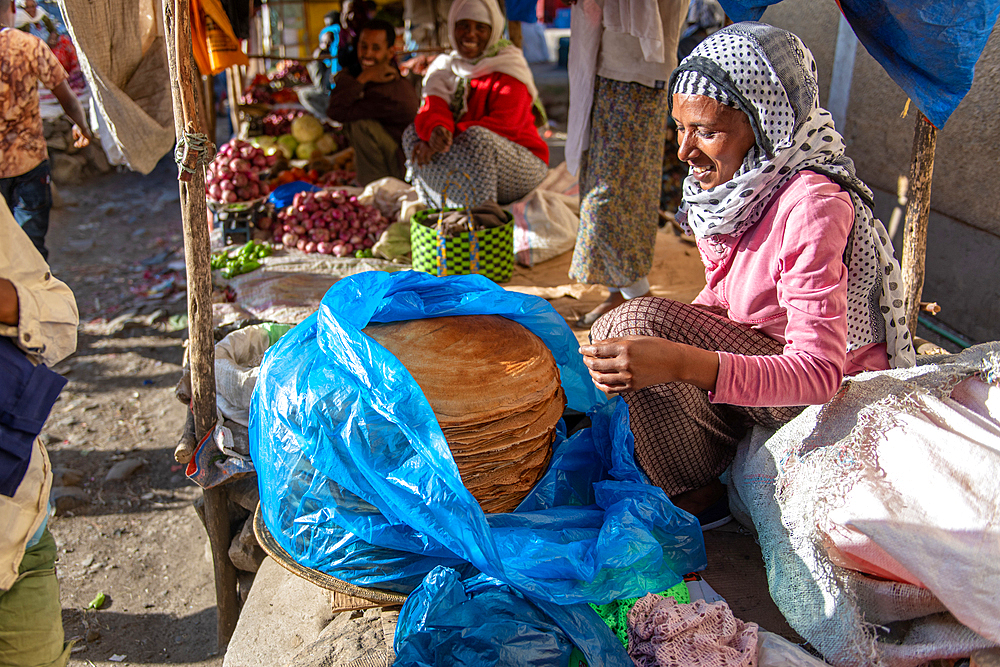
(494, 388)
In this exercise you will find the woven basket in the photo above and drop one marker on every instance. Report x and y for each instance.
(489, 252)
(321, 579)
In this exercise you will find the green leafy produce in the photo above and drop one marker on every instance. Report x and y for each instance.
(245, 259)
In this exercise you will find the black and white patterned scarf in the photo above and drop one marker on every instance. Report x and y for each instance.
(770, 75)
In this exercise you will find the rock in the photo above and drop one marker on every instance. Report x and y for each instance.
(123, 470)
(245, 553)
(282, 613)
(96, 158)
(244, 492)
(66, 477)
(67, 169)
(80, 245)
(57, 142)
(352, 638)
(244, 582)
(66, 498)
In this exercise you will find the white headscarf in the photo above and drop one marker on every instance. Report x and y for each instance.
(449, 75)
(770, 75)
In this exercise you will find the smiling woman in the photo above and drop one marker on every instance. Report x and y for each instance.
(802, 287)
(712, 138)
(474, 139)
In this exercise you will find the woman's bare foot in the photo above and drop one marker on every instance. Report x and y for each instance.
(697, 501)
(614, 300)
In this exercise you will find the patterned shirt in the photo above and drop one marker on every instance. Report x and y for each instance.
(25, 61)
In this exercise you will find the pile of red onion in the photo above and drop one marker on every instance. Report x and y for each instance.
(329, 222)
(234, 175)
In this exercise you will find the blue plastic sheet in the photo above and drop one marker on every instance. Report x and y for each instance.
(445, 623)
(283, 195)
(356, 478)
(928, 47)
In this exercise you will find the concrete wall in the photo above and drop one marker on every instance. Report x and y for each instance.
(963, 254)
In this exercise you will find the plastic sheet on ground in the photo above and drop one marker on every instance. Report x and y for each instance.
(910, 466)
(290, 284)
(485, 622)
(357, 480)
(547, 218)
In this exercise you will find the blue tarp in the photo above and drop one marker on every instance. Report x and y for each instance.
(356, 478)
(928, 47)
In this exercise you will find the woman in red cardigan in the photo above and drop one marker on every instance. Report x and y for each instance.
(474, 138)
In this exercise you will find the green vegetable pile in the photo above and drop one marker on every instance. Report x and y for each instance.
(241, 261)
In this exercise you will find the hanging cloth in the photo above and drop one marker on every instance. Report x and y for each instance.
(214, 43)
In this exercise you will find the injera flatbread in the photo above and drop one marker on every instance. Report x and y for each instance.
(495, 391)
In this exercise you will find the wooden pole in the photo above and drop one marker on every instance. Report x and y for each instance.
(209, 97)
(917, 213)
(184, 79)
(235, 92)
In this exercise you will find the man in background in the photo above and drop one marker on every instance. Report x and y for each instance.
(24, 165)
(38, 320)
(375, 106)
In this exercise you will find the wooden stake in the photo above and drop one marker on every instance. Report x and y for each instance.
(235, 92)
(917, 213)
(184, 80)
(208, 83)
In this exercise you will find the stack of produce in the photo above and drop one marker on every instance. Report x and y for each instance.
(289, 73)
(494, 388)
(279, 121)
(235, 173)
(329, 178)
(262, 91)
(329, 222)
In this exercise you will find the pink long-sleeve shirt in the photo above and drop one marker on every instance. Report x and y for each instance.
(786, 277)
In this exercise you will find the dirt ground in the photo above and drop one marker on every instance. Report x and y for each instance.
(117, 242)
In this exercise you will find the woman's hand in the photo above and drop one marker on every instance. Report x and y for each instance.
(635, 362)
(422, 153)
(440, 139)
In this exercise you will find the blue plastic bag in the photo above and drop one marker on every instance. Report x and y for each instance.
(448, 623)
(283, 195)
(356, 478)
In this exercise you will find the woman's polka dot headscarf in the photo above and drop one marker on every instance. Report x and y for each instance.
(770, 75)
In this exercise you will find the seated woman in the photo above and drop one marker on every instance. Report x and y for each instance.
(802, 287)
(474, 138)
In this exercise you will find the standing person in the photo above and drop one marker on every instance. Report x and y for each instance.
(802, 287)
(38, 320)
(477, 118)
(621, 56)
(331, 29)
(375, 106)
(24, 165)
(353, 18)
(32, 18)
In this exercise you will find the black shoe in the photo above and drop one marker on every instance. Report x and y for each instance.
(716, 515)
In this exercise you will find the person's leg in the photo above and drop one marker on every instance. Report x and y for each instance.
(376, 153)
(465, 175)
(619, 189)
(32, 197)
(682, 441)
(31, 632)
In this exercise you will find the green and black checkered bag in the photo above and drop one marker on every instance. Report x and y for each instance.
(489, 252)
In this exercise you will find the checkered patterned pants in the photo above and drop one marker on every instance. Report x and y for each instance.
(682, 441)
(481, 166)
